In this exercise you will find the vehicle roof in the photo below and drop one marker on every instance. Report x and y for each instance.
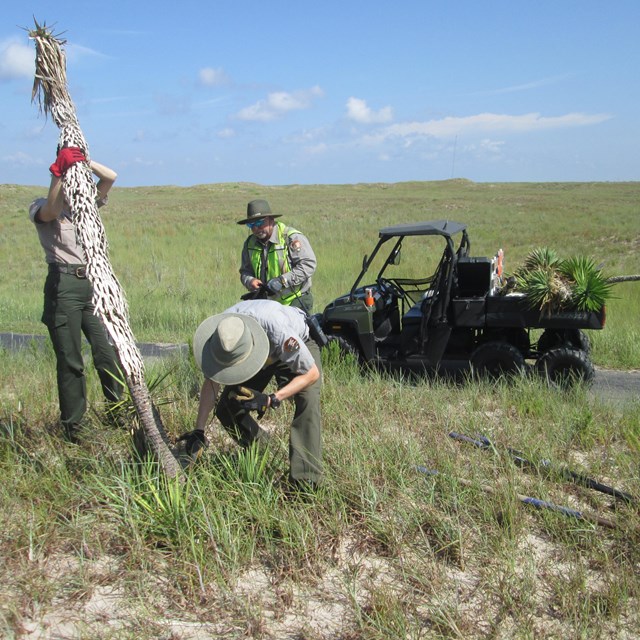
(446, 228)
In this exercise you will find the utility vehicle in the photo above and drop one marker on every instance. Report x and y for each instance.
(446, 311)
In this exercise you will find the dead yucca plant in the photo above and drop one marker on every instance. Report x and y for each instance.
(51, 92)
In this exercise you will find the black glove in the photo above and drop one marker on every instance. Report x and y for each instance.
(250, 399)
(274, 286)
(194, 443)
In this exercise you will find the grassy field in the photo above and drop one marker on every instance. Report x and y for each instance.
(94, 543)
(176, 251)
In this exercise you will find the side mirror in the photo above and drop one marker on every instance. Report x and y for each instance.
(395, 259)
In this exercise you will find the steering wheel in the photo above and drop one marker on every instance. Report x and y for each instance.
(391, 287)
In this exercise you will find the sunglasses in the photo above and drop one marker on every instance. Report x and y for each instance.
(256, 223)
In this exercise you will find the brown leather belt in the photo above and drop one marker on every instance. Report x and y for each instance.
(77, 270)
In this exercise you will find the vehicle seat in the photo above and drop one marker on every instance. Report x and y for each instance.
(414, 315)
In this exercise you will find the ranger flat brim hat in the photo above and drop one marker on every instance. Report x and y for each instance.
(257, 209)
(230, 348)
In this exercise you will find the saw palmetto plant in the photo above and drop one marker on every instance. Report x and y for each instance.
(541, 258)
(590, 289)
(51, 92)
(551, 284)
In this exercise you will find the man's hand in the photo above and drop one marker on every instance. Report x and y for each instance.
(66, 158)
(250, 399)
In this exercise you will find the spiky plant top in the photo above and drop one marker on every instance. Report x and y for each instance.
(551, 284)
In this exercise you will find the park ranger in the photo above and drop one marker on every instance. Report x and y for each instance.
(277, 256)
(244, 348)
(68, 308)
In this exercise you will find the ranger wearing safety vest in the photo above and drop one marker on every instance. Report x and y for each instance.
(277, 256)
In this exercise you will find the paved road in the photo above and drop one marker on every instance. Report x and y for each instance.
(148, 350)
(609, 384)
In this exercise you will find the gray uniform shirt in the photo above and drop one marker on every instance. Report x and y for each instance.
(301, 258)
(286, 328)
(58, 237)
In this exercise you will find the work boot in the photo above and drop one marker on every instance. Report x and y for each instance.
(71, 433)
(302, 490)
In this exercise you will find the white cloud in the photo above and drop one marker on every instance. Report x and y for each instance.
(228, 132)
(358, 110)
(210, 77)
(278, 103)
(77, 52)
(535, 84)
(21, 159)
(16, 60)
(486, 122)
(492, 146)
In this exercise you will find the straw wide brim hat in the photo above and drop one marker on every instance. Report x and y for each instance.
(230, 348)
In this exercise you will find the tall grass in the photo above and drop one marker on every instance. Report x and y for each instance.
(381, 551)
(96, 543)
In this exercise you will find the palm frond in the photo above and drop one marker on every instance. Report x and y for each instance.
(541, 258)
(590, 288)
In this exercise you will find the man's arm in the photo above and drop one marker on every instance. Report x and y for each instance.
(52, 208)
(299, 383)
(106, 178)
(208, 396)
(302, 260)
(247, 276)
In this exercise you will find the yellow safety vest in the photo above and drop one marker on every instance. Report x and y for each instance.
(277, 259)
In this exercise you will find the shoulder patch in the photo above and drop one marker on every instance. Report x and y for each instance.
(290, 345)
(296, 245)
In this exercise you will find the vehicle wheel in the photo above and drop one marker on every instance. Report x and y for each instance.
(573, 338)
(565, 366)
(580, 340)
(494, 359)
(341, 349)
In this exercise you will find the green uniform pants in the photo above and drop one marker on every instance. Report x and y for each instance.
(68, 313)
(305, 443)
(304, 301)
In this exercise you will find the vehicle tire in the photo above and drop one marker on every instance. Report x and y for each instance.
(342, 349)
(495, 359)
(580, 340)
(572, 338)
(564, 366)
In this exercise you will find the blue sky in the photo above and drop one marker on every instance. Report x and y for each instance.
(346, 91)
